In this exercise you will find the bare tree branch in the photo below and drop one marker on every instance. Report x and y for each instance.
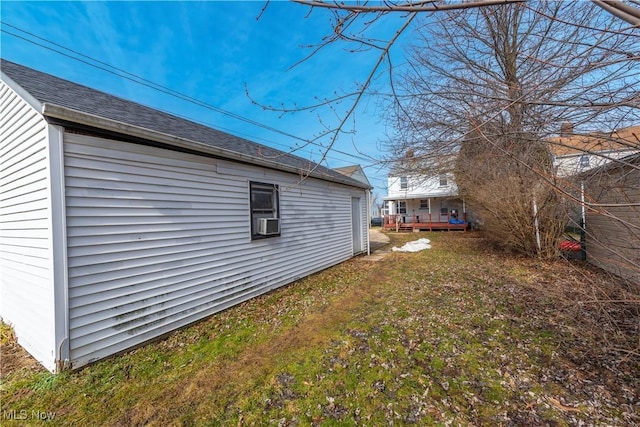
(412, 7)
(621, 10)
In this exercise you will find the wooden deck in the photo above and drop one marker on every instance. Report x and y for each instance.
(414, 223)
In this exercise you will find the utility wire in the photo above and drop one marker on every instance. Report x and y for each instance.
(166, 90)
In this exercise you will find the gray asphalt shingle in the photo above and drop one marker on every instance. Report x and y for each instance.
(56, 91)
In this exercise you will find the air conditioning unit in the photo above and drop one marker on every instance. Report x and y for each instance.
(268, 226)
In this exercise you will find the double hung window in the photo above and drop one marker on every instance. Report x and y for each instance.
(403, 183)
(265, 210)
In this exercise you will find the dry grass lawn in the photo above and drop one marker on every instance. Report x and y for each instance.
(459, 334)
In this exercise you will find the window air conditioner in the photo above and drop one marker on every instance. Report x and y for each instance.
(268, 226)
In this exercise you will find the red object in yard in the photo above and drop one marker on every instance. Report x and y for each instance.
(570, 246)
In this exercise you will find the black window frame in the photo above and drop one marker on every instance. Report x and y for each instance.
(257, 212)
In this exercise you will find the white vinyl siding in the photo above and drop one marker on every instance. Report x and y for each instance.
(26, 283)
(158, 239)
(421, 187)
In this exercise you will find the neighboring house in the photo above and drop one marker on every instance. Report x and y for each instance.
(423, 202)
(120, 223)
(356, 172)
(612, 223)
(606, 166)
(576, 153)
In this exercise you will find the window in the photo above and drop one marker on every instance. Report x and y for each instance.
(584, 161)
(264, 203)
(443, 180)
(403, 182)
(402, 207)
(424, 204)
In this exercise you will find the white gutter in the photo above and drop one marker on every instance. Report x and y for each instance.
(79, 117)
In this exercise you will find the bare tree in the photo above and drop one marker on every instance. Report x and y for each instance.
(510, 75)
(485, 93)
(506, 72)
(350, 24)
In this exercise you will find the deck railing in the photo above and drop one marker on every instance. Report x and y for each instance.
(424, 221)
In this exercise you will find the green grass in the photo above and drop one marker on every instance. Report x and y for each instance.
(427, 338)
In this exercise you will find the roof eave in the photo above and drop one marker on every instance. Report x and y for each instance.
(421, 196)
(79, 117)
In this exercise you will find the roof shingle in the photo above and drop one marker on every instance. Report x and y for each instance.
(48, 89)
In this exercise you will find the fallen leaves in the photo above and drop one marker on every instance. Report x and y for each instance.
(458, 335)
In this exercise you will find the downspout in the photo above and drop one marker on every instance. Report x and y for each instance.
(368, 197)
(58, 236)
(583, 230)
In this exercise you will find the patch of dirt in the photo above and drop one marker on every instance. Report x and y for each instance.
(13, 357)
(314, 329)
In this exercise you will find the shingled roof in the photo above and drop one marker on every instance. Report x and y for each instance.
(626, 139)
(70, 102)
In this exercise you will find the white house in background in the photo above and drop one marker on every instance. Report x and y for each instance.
(423, 202)
(119, 223)
(577, 153)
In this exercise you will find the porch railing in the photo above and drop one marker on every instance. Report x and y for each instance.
(427, 218)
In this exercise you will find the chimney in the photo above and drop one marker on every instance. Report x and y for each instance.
(566, 129)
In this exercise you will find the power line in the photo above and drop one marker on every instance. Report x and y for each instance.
(166, 90)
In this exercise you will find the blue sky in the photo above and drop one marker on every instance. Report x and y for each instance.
(214, 52)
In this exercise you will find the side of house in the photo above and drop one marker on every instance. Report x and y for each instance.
(115, 231)
(158, 239)
(26, 215)
(575, 153)
(613, 220)
(605, 166)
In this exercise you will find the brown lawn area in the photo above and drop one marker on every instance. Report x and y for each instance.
(460, 334)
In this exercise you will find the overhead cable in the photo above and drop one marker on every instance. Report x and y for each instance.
(166, 90)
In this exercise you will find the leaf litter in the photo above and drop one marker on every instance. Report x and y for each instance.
(458, 335)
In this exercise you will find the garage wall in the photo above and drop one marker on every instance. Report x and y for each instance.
(613, 230)
(26, 269)
(158, 239)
